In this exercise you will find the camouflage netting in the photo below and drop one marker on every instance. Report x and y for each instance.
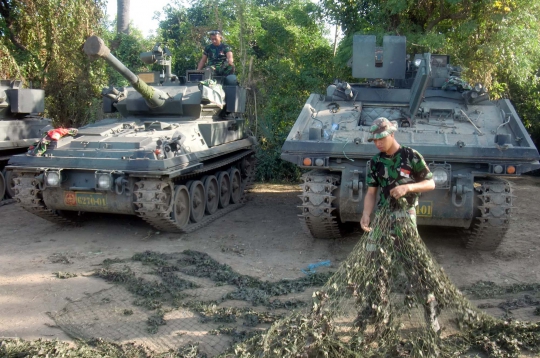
(187, 299)
(390, 299)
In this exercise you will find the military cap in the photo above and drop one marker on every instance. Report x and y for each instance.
(381, 128)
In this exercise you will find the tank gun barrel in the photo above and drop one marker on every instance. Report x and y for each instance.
(95, 48)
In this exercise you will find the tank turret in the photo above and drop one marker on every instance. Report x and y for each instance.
(95, 48)
(20, 125)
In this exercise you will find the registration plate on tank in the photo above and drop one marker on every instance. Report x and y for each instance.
(424, 209)
(75, 198)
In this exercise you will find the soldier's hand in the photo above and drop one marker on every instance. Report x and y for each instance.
(399, 191)
(364, 222)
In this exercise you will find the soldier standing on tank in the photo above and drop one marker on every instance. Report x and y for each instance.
(401, 174)
(218, 54)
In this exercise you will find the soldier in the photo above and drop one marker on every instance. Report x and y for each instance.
(399, 171)
(401, 174)
(218, 54)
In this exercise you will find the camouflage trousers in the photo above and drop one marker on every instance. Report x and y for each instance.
(222, 69)
(389, 261)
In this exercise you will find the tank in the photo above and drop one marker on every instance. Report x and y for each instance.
(20, 126)
(175, 158)
(470, 143)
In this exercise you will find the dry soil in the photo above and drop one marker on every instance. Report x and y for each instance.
(262, 239)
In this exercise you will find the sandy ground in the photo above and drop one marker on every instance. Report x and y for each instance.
(262, 239)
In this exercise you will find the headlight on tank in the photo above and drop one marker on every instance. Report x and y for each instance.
(53, 178)
(441, 175)
(103, 181)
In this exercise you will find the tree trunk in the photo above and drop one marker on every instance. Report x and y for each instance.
(336, 37)
(122, 14)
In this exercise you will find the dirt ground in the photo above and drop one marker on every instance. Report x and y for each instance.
(261, 239)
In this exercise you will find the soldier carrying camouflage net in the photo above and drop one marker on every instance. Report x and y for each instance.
(389, 297)
(219, 56)
(401, 174)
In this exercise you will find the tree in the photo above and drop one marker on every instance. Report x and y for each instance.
(127, 48)
(122, 15)
(41, 44)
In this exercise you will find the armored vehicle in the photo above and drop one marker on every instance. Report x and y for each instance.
(471, 143)
(20, 125)
(176, 159)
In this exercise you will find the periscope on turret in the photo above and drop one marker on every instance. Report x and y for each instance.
(470, 142)
(175, 158)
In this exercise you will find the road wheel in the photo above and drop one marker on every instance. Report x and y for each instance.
(9, 176)
(211, 189)
(2, 186)
(181, 206)
(197, 200)
(224, 189)
(236, 185)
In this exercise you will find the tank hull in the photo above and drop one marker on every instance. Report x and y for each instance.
(20, 126)
(178, 158)
(129, 161)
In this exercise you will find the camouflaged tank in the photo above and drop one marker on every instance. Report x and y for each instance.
(20, 126)
(177, 158)
(470, 143)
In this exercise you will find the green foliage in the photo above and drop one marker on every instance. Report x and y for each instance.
(495, 41)
(42, 45)
(96, 348)
(280, 54)
(184, 31)
(285, 72)
(526, 99)
(127, 48)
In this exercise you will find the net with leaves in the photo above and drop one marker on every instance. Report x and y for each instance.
(390, 298)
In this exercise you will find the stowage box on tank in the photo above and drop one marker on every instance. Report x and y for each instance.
(178, 158)
(469, 142)
(20, 125)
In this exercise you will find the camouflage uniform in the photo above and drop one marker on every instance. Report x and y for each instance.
(386, 172)
(406, 166)
(217, 59)
(457, 84)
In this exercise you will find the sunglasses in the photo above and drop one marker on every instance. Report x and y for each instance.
(214, 32)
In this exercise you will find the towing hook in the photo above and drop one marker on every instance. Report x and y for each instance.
(461, 192)
(40, 179)
(120, 185)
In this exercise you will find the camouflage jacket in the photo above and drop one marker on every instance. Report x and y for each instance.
(403, 167)
(216, 54)
(457, 84)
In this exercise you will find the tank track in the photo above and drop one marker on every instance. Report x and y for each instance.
(28, 195)
(491, 225)
(7, 198)
(318, 218)
(152, 208)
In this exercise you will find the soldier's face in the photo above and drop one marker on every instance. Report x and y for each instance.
(215, 39)
(384, 144)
